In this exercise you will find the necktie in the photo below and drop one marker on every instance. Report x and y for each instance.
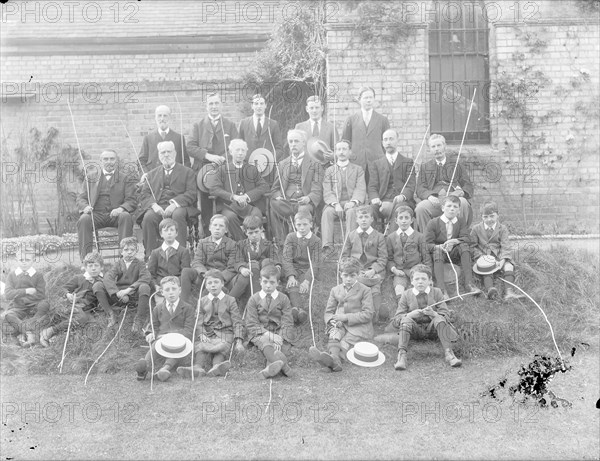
(367, 119)
(215, 305)
(255, 247)
(268, 299)
(422, 300)
(171, 308)
(449, 228)
(170, 251)
(258, 128)
(363, 256)
(390, 159)
(403, 238)
(439, 173)
(490, 231)
(316, 129)
(107, 177)
(163, 135)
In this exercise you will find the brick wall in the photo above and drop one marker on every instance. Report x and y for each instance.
(554, 185)
(127, 70)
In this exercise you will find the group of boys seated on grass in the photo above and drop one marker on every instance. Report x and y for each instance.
(231, 271)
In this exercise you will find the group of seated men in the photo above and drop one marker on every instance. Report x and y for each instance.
(325, 175)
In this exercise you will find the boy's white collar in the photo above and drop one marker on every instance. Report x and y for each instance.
(175, 245)
(31, 271)
(263, 295)
(446, 220)
(307, 236)
(416, 292)
(368, 231)
(408, 231)
(220, 296)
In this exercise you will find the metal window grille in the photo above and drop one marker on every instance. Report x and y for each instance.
(459, 63)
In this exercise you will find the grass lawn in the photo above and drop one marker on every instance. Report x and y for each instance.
(428, 411)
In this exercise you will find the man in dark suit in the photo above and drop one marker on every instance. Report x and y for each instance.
(297, 186)
(365, 130)
(149, 151)
(111, 202)
(391, 181)
(434, 180)
(260, 131)
(240, 189)
(316, 126)
(208, 144)
(168, 192)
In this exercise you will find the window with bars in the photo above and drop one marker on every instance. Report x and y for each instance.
(458, 63)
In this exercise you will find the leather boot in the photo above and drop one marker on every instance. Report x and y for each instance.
(187, 372)
(45, 336)
(112, 319)
(492, 293)
(285, 369)
(272, 369)
(164, 373)
(31, 339)
(401, 362)
(451, 358)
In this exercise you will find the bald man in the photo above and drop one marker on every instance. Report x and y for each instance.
(149, 151)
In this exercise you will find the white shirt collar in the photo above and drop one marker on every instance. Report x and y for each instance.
(31, 271)
(216, 242)
(127, 264)
(106, 173)
(408, 231)
(446, 220)
(165, 131)
(263, 295)
(312, 123)
(493, 227)
(393, 156)
(175, 304)
(257, 118)
(443, 162)
(299, 158)
(216, 119)
(175, 245)
(416, 292)
(220, 296)
(87, 275)
(350, 287)
(307, 237)
(366, 112)
(368, 231)
(343, 164)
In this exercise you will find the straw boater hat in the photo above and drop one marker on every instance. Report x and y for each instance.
(486, 265)
(263, 160)
(173, 345)
(317, 149)
(366, 355)
(204, 174)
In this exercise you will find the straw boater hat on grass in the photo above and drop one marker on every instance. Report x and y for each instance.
(486, 265)
(366, 355)
(173, 346)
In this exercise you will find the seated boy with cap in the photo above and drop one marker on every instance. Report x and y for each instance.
(171, 316)
(220, 323)
(492, 251)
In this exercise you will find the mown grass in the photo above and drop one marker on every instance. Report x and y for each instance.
(565, 284)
